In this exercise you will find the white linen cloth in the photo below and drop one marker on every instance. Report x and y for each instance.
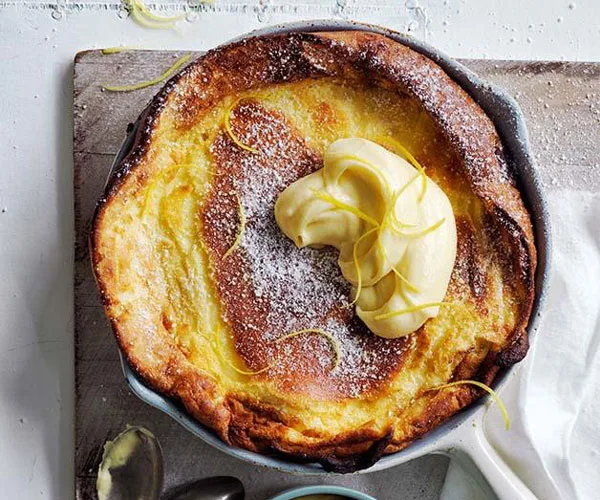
(554, 402)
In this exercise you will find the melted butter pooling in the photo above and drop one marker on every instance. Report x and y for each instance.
(396, 235)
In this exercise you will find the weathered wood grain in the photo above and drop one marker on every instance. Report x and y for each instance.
(561, 102)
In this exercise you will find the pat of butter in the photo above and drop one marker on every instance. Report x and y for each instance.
(116, 454)
(394, 228)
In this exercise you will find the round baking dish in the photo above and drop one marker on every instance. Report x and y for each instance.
(461, 434)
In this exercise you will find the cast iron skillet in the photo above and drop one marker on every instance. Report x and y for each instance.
(460, 436)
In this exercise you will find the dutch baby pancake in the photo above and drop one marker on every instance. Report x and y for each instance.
(311, 234)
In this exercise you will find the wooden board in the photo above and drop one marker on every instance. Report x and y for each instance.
(561, 102)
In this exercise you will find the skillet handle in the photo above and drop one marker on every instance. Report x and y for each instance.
(473, 451)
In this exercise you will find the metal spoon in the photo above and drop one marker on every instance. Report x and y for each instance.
(132, 467)
(211, 488)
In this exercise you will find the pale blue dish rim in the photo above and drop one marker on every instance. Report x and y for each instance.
(302, 491)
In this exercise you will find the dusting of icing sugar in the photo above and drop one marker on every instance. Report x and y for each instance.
(286, 289)
(301, 286)
(299, 283)
(359, 367)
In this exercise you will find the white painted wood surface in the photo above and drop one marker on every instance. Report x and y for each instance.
(38, 40)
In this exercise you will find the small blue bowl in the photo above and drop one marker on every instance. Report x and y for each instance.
(321, 490)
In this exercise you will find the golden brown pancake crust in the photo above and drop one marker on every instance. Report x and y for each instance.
(503, 234)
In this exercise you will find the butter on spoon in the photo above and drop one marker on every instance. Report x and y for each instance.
(394, 228)
(132, 469)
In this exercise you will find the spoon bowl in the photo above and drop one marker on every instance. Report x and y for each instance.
(132, 467)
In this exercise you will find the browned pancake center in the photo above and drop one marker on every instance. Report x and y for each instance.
(271, 288)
